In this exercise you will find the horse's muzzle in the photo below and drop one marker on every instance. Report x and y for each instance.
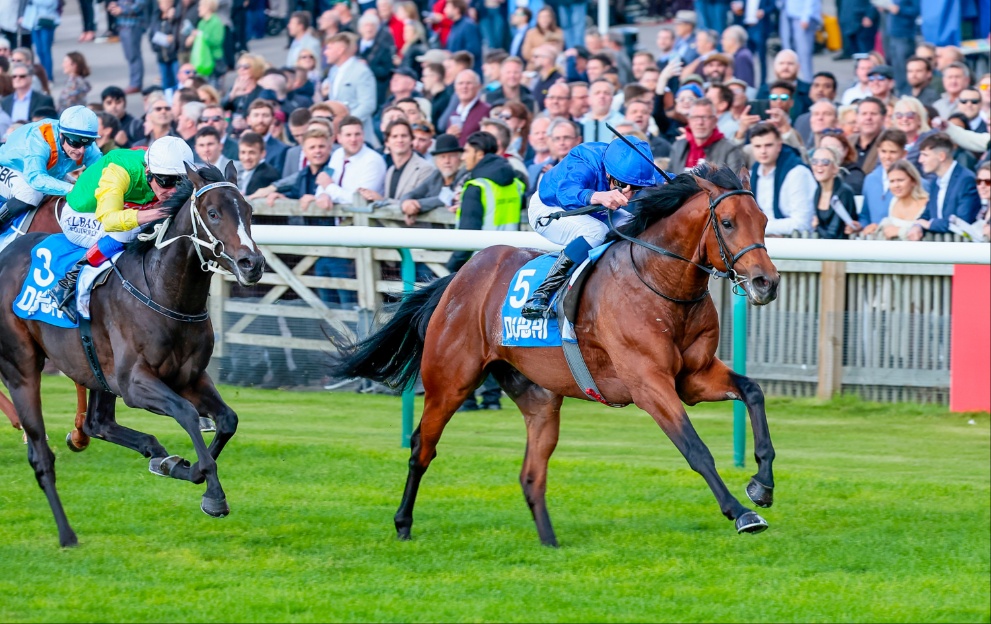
(762, 289)
(249, 268)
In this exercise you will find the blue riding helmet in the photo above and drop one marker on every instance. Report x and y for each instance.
(630, 168)
(79, 122)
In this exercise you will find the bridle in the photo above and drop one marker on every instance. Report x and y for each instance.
(729, 259)
(207, 265)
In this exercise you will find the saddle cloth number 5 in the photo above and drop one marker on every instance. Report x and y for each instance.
(523, 287)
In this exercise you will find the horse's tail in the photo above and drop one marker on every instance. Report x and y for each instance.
(392, 354)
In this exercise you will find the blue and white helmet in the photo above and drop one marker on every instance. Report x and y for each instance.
(628, 167)
(79, 122)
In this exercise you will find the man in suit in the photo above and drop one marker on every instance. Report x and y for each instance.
(206, 147)
(877, 192)
(213, 115)
(466, 111)
(261, 117)
(870, 122)
(23, 102)
(408, 169)
(351, 82)
(952, 193)
(253, 172)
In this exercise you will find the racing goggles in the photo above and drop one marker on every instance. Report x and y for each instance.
(166, 181)
(76, 141)
(623, 187)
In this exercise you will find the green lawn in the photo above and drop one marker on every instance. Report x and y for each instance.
(882, 513)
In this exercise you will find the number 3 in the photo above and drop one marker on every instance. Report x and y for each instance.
(521, 285)
(44, 278)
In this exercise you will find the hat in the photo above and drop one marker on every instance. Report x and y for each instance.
(735, 81)
(406, 71)
(717, 57)
(685, 17)
(693, 88)
(692, 78)
(882, 70)
(433, 56)
(446, 144)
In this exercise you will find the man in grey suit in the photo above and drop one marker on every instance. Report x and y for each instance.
(351, 82)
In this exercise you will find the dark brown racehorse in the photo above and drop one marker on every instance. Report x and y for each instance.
(152, 335)
(46, 220)
(646, 328)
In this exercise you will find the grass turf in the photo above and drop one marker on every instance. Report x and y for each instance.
(882, 513)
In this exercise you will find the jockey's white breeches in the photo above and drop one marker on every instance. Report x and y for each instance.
(566, 229)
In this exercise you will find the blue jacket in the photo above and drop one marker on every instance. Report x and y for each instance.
(961, 200)
(571, 182)
(31, 149)
(465, 35)
(876, 199)
(788, 159)
(902, 25)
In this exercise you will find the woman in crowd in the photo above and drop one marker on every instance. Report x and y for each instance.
(208, 95)
(414, 44)
(41, 17)
(308, 62)
(518, 118)
(831, 195)
(546, 31)
(245, 90)
(210, 30)
(846, 118)
(984, 192)
(850, 172)
(76, 87)
(162, 35)
(908, 202)
(910, 116)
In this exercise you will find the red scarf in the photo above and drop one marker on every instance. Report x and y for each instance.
(696, 152)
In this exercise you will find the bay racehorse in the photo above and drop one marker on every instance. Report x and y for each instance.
(45, 219)
(152, 336)
(645, 325)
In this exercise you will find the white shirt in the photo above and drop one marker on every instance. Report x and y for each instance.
(856, 92)
(727, 125)
(463, 109)
(366, 169)
(794, 200)
(942, 182)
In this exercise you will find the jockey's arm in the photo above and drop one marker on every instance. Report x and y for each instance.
(110, 211)
(570, 184)
(36, 174)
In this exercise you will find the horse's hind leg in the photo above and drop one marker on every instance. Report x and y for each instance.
(656, 395)
(101, 423)
(718, 383)
(542, 412)
(76, 440)
(8, 410)
(453, 375)
(27, 398)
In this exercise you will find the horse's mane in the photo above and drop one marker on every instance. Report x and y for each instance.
(665, 200)
(172, 205)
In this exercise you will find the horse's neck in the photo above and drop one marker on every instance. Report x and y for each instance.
(680, 233)
(174, 273)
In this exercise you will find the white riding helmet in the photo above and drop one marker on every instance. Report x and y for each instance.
(168, 155)
(79, 122)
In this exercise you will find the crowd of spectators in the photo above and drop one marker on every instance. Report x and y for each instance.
(378, 102)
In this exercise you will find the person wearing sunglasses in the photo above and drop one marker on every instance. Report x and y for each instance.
(969, 105)
(112, 199)
(602, 174)
(881, 82)
(36, 158)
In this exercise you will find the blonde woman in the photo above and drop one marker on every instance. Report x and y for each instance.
(846, 118)
(832, 196)
(208, 95)
(908, 202)
(545, 32)
(910, 116)
(248, 71)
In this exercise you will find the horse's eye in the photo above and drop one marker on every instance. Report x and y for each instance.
(726, 224)
(213, 213)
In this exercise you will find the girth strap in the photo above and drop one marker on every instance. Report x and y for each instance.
(148, 302)
(576, 362)
(89, 348)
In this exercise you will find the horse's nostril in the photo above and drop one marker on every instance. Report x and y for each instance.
(760, 283)
(245, 264)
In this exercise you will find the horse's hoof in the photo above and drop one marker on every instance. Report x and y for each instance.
(69, 540)
(162, 466)
(207, 425)
(72, 445)
(760, 494)
(216, 508)
(750, 522)
(403, 534)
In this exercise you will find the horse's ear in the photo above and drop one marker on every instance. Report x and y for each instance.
(706, 186)
(193, 176)
(230, 172)
(745, 178)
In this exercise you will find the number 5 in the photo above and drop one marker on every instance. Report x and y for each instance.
(521, 285)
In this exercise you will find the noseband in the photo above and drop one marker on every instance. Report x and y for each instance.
(729, 259)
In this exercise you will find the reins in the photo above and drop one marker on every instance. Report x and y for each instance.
(158, 235)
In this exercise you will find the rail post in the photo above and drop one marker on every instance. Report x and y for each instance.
(408, 269)
(740, 367)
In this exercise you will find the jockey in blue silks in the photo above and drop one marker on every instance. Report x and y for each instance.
(37, 156)
(603, 174)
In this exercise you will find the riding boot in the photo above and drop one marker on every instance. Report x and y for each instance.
(64, 292)
(12, 209)
(536, 306)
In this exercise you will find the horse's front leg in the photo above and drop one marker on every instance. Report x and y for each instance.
(145, 391)
(655, 394)
(208, 403)
(716, 382)
(8, 409)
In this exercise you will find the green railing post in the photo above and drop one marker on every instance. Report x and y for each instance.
(409, 283)
(740, 367)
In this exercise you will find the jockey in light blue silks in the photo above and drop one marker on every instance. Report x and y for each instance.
(603, 174)
(37, 156)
